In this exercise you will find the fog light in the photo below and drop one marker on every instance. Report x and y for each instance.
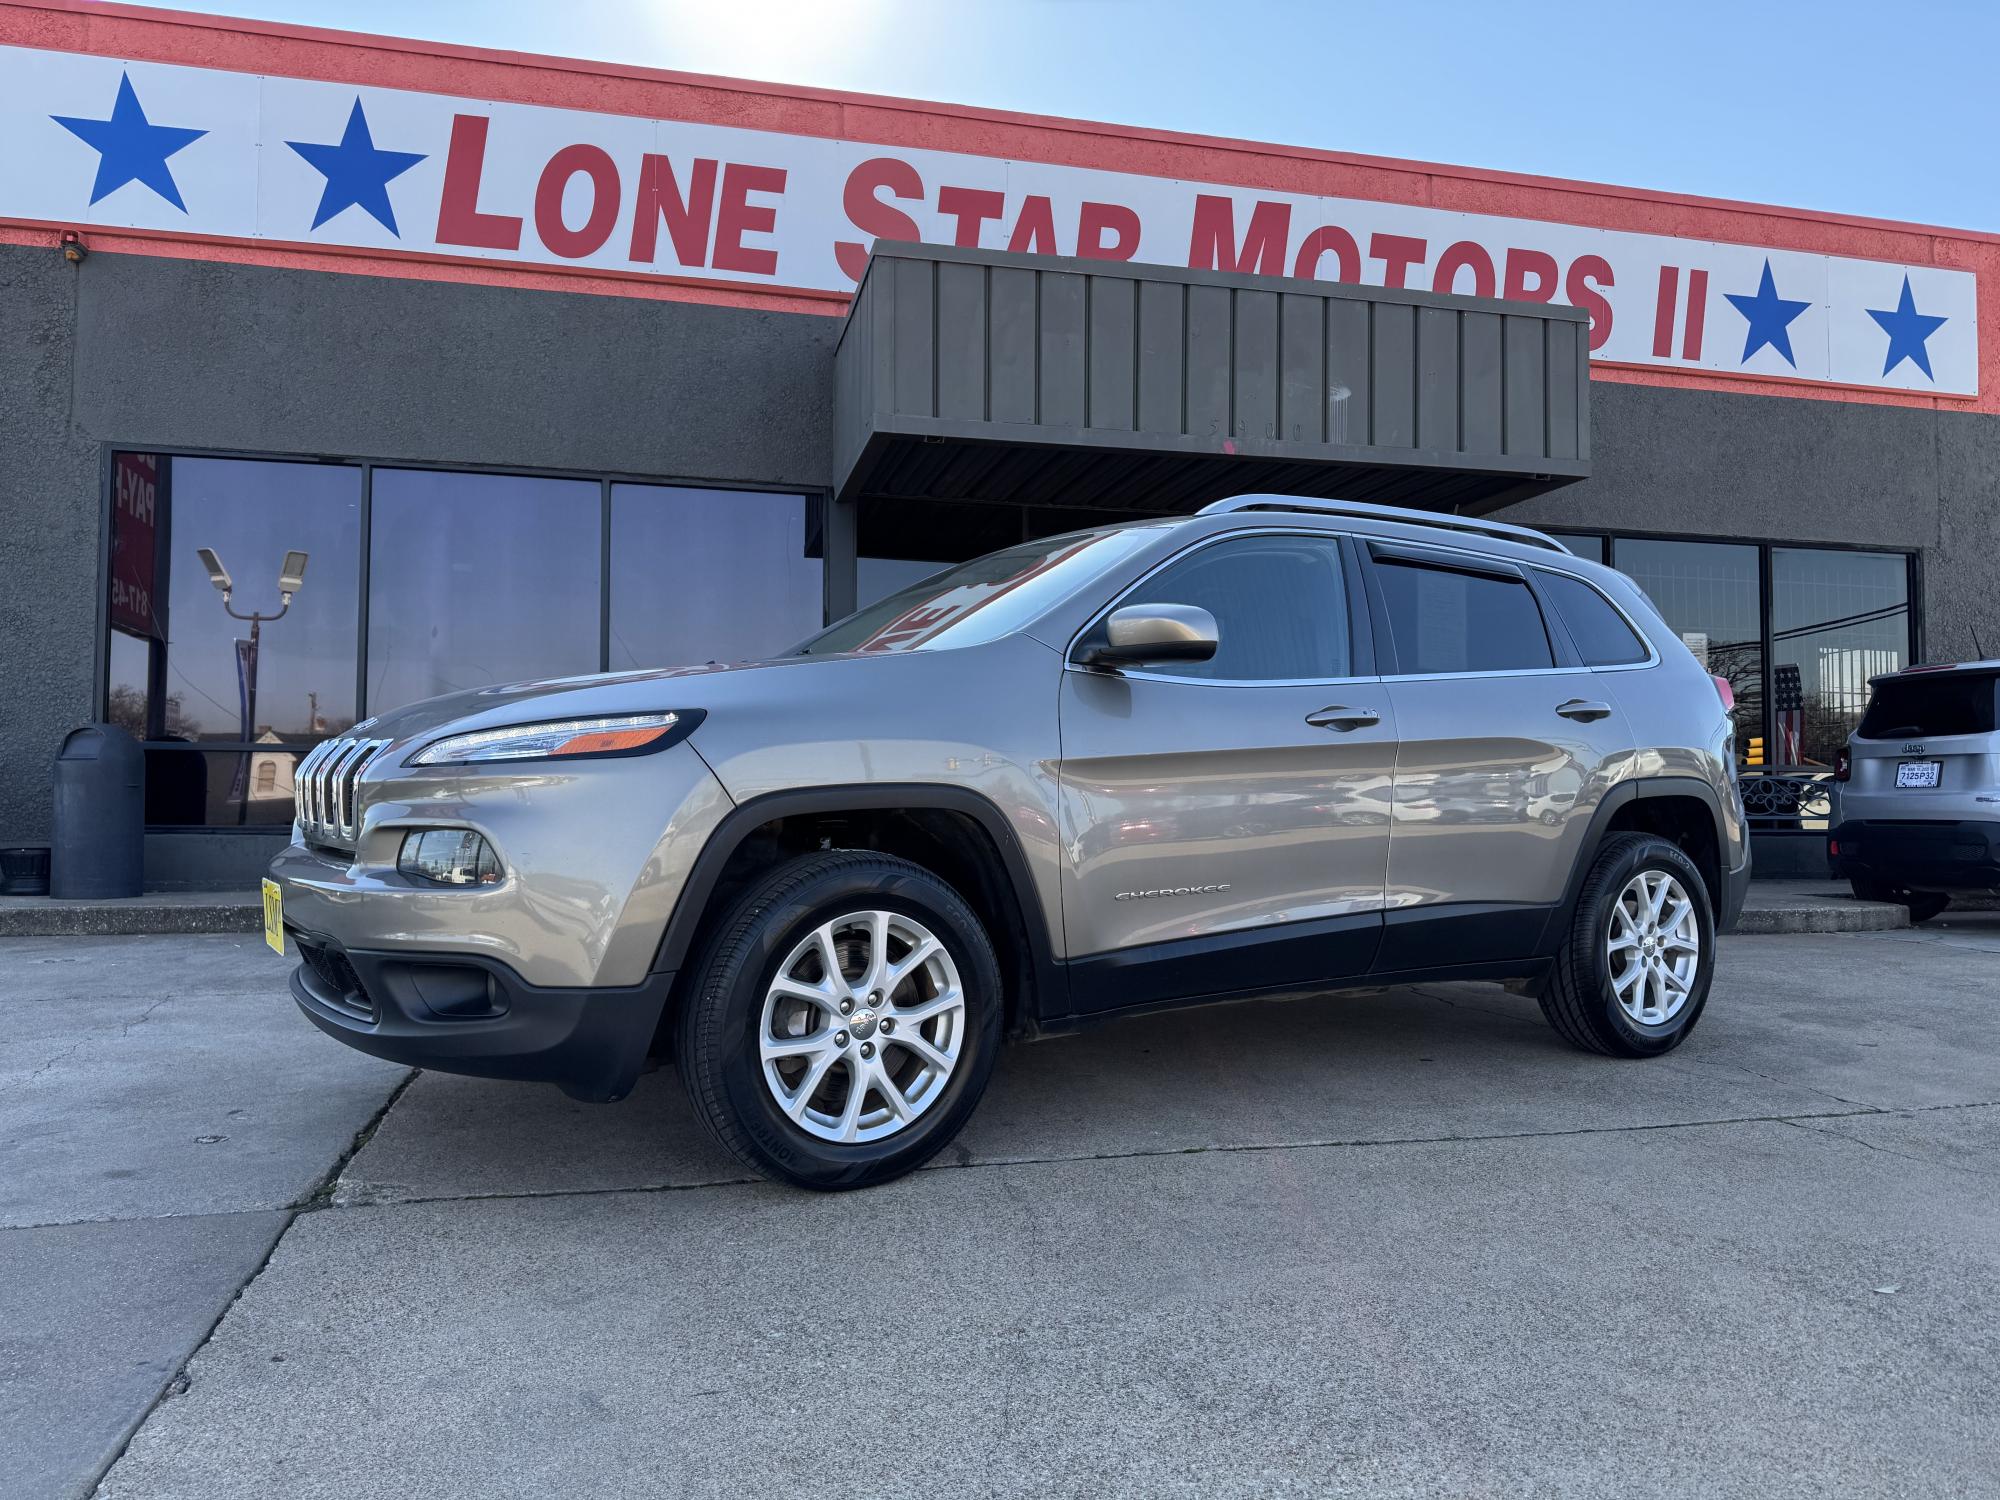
(449, 856)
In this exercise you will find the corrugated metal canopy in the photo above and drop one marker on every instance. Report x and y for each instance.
(1034, 380)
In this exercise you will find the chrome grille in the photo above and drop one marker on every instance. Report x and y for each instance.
(326, 788)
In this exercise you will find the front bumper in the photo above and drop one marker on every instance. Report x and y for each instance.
(595, 857)
(469, 1013)
(1945, 855)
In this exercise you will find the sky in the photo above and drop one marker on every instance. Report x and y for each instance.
(1840, 106)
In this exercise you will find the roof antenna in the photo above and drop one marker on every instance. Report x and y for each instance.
(1977, 648)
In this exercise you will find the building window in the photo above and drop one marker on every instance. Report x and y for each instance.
(1837, 619)
(1709, 595)
(472, 579)
(213, 694)
(475, 579)
(701, 575)
(1797, 631)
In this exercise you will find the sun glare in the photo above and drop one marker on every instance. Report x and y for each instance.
(786, 41)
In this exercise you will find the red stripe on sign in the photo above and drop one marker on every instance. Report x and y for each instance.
(1697, 310)
(1663, 312)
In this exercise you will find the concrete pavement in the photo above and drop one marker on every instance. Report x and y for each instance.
(1395, 1244)
(162, 1109)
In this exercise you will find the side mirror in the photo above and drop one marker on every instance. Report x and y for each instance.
(1141, 634)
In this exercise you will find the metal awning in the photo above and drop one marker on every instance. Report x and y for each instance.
(1037, 380)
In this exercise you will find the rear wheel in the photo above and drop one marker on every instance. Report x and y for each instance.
(1873, 890)
(843, 1022)
(1633, 974)
(1923, 905)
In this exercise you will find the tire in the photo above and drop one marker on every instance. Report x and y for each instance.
(1923, 905)
(736, 1012)
(1873, 890)
(1581, 1000)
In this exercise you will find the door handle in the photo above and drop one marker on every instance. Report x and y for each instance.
(1343, 719)
(1584, 711)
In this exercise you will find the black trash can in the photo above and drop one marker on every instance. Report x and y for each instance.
(100, 826)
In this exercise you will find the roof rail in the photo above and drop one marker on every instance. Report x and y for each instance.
(1436, 519)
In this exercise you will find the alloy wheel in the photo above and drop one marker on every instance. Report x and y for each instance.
(862, 1026)
(1653, 948)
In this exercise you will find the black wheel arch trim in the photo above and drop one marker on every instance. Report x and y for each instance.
(1618, 797)
(1051, 992)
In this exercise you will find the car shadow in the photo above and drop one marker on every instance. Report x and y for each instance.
(1436, 1062)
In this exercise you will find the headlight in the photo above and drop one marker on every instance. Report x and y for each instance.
(629, 734)
(449, 856)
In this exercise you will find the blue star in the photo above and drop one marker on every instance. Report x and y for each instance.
(131, 148)
(1907, 329)
(357, 175)
(1770, 317)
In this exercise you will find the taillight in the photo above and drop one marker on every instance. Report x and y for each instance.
(1725, 692)
(1843, 765)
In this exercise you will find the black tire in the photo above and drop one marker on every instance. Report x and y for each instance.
(1922, 905)
(1578, 999)
(1874, 890)
(719, 1022)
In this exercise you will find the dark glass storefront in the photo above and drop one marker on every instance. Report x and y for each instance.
(1797, 631)
(436, 580)
(421, 581)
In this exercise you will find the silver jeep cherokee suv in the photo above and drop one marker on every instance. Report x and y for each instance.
(1280, 746)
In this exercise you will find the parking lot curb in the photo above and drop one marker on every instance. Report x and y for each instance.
(1820, 916)
(168, 912)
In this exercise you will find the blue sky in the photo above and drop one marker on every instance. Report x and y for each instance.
(1842, 106)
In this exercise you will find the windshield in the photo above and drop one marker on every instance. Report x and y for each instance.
(982, 600)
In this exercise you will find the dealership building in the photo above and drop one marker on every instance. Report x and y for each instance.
(550, 367)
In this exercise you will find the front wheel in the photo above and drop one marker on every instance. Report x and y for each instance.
(843, 1022)
(1633, 974)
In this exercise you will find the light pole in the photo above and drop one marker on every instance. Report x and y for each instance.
(291, 578)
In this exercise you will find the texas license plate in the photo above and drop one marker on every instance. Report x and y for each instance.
(274, 917)
(1918, 773)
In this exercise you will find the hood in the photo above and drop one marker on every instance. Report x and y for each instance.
(600, 695)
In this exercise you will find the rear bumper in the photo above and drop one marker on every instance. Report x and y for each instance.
(1943, 855)
(467, 1013)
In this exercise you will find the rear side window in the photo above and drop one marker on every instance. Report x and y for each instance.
(1910, 707)
(1600, 632)
(1447, 621)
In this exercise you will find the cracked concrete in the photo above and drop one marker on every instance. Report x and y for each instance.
(162, 1109)
(1404, 1243)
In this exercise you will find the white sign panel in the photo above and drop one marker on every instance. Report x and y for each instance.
(97, 141)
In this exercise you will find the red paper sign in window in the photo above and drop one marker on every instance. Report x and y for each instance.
(135, 499)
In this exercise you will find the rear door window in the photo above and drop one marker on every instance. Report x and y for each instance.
(1602, 636)
(1913, 707)
(1446, 620)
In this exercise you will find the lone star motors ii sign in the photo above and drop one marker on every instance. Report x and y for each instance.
(291, 162)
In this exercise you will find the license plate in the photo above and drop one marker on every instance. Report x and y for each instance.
(274, 917)
(1918, 773)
